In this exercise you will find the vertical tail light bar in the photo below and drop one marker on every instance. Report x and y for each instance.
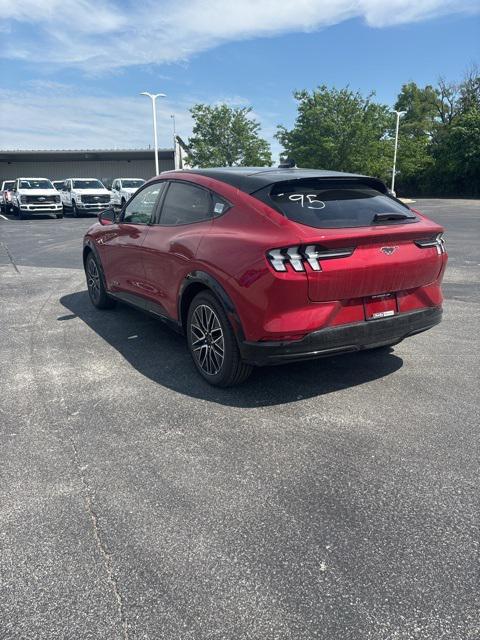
(437, 241)
(299, 256)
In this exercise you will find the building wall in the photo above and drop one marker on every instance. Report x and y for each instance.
(105, 170)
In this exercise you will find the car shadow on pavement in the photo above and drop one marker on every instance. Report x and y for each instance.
(161, 355)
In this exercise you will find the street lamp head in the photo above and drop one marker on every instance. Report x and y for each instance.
(153, 96)
(399, 113)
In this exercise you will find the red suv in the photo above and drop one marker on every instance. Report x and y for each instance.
(264, 266)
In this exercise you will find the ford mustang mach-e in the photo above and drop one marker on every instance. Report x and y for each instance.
(262, 266)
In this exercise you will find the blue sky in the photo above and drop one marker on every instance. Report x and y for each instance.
(79, 65)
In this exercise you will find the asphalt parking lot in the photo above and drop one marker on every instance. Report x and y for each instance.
(336, 499)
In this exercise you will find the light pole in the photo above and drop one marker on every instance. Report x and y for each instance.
(174, 142)
(153, 97)
(399, 113)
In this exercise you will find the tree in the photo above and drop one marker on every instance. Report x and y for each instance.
(339, 129)
(225, 136)
(416, 129)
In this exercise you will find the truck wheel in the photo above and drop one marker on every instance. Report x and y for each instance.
(74, 209)
(59, 216)
(122, 204)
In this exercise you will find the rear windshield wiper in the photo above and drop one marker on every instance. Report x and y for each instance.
(392, 215)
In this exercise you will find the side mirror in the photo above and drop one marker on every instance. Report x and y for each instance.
(107, 217)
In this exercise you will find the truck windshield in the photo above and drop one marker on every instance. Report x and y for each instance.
(32, 183)
(132, 184)
(8, 185)
(87, 184)
(329, 203)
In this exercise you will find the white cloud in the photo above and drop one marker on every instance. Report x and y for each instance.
(51, 115)
(55, 116)
(99, 35)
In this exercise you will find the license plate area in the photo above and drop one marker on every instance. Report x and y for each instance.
(380, 306)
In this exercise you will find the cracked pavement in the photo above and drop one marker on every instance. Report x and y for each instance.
(335, 499)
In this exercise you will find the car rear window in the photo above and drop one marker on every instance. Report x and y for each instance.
(322, 203)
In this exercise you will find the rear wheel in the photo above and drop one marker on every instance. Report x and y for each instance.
(212, 343)
(96, 287)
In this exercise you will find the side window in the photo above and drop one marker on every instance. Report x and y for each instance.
(140, 209)
(220, 206)
(185, 204)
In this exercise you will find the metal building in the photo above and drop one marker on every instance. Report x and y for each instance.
(105, 164)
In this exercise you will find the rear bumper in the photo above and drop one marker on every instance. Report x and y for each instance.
(343, 338)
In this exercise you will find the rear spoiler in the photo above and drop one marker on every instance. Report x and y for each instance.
(375, 183)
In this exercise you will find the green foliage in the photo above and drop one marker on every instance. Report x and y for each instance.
(226, 136)
(456, 155)
(339, 129)
(439, 136)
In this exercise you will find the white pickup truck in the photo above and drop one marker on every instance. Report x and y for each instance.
(35, 196)
(6, 196)
(123, 189)
(85, 195)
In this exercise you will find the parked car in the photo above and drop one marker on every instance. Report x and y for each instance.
(269, 266)
(33, 196)
(123, 189)
(58, 184)
(85, 195)
(6, 196)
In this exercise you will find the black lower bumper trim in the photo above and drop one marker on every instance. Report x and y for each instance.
(342, 338)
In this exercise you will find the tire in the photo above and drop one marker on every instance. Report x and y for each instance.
(122, 204)
(207, 323)
(15, 211)
(75, 213)
(59, 216)
(95, 284)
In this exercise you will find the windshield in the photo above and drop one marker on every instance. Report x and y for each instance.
(57, 185)
(132, 184)
(32, 183)
(87, 184)
(322, 203)
(8, 185)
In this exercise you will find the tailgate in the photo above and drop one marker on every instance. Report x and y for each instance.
(374, 268)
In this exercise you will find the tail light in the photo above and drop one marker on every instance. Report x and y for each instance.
(300, 255)
(434, 241)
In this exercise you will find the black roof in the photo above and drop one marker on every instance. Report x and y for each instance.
(251, 179)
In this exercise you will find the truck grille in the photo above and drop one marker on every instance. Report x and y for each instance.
(42, 199)
(95, 199)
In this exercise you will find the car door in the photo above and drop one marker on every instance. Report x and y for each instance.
(67, 193)
(115, 194)
(121, 245)
(171, 241)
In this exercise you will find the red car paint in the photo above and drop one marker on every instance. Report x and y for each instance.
(157, 264)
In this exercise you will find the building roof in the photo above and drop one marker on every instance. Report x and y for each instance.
(251, 179)
(10, 155)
